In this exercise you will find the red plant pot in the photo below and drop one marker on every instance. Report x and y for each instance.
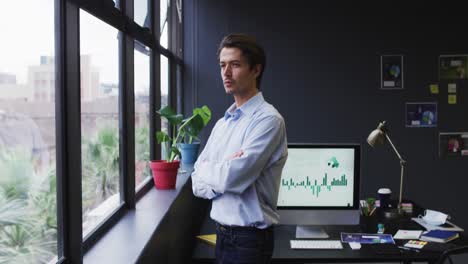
(164, 173)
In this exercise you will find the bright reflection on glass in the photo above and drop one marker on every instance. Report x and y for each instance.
(142, 87)
(28, 204)
(99, 120)
(164, 80)
(164, 23)
(164, 95)
(141, 13)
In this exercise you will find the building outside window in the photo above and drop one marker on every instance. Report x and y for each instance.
(99, 59)
(28, 204)
(29, 228)
(142, 136)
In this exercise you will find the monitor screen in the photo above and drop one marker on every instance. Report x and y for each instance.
(320, 185)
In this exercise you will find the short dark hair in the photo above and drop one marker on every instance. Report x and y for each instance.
(250, 49)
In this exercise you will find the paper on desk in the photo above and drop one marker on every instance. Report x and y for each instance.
(210, 238)
(407, 234)
(450, 226)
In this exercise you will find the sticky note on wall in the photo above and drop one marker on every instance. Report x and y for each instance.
(452, 88)
(434, 88)
(452, 99)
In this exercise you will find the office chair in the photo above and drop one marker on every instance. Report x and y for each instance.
(446, 255)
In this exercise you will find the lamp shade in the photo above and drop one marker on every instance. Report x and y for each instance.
(377, 136)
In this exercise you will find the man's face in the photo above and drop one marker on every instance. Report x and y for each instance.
(238, 78)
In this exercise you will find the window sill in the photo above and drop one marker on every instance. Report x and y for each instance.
(125, 241)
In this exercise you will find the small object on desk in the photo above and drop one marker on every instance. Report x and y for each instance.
(409, 249)
(367, 238)
(354, 245)
(415, 244)
(377, 203)
(407, 234)
(407, 207)
(316, 244)
(368, 206)
(384, 197)
(440, 236)
(210, 239)
(380, 228)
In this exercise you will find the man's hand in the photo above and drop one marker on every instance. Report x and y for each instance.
(238, 154)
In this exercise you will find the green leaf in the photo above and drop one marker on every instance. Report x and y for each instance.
(172, 117)
(204, 112)
(175, 150)
(174, 153)
(162, 137)
(192, 126)
(195, 126)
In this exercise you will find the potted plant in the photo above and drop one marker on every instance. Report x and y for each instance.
(165, 170)
(189, 130)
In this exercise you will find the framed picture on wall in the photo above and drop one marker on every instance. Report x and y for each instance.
(453, 67)
(421, 114)
(453, 144)
(391, 72)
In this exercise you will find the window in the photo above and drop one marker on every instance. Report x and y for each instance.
(28, 222)
(33, 131)
(164, 81)
(99, 120)
(164, 23)
(164, 96)
(141, 13)
(142, 136)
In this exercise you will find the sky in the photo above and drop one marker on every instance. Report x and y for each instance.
(30, 32)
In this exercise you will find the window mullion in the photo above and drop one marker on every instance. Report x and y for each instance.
(68, 132)
(127, 117)
(155, 82)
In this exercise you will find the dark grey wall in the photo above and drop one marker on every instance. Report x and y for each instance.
(323, 76)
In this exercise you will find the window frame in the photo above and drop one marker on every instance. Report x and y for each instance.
(70, 244)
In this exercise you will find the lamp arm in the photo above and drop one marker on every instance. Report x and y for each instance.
(393, 146)
(402, 164)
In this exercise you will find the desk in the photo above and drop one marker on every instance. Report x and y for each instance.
(282, 253)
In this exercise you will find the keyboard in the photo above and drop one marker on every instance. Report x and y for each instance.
(316, 244)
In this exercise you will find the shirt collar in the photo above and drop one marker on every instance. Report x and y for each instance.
(248, 108)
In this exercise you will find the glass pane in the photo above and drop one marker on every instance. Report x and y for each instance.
(164, 95)
(179, 11)
(142, 88)
(28, 202)
(141, 13)
(164, 23)
(164, 81)
(99, 120)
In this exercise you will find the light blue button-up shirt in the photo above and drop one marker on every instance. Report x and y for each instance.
(244, 190)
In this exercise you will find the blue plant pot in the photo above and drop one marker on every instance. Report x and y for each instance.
(189, 152)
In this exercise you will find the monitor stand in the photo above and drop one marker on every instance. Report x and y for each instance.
(310, 232)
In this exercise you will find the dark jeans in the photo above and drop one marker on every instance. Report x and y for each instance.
(242, 245)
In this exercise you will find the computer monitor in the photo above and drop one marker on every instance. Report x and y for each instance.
(319, 186)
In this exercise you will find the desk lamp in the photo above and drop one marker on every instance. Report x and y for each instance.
(377, 137)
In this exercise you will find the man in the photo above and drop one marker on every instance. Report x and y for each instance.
(240, 167)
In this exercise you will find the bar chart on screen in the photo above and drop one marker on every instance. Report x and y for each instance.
(316, 186)
(323, 178)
